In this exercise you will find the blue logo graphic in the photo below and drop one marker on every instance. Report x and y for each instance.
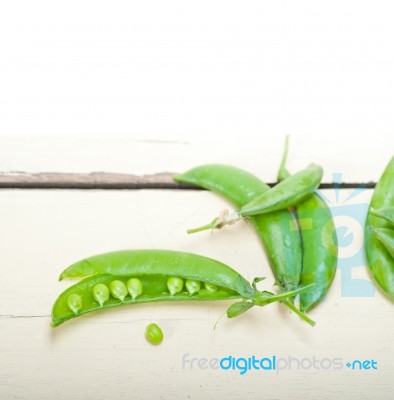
(350, 220)
(359, 365)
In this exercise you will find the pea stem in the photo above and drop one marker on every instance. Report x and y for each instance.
(212, 225)
(287, 299)
(283, 173)
(225, 218)
(302, 315)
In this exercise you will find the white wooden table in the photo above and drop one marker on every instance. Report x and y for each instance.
(104, 355)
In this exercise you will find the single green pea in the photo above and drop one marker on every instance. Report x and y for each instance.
(154, 334)
(74, 303)
(101, 293)
(210, 287)
(175, 285)
(134, 286)
(118, 290)
(193, 286)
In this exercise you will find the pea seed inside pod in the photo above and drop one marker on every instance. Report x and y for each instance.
(74, 303)
(193, 286)
(174, 285)
(210, 287)
(118, 290)
(134, 286)
(101, 293)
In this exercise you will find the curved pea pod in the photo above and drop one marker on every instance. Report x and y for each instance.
(160, 262)
(386, 213)
(154, 278)
(381, 264)
(287, 193)
(319, 243)
(277, 230)
(320, 249)
(386, 236)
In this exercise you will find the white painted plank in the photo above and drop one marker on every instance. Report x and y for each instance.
(105, 355)
(360, 159)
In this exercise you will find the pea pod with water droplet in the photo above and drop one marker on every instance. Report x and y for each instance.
(277, 230)
(319, 244)
(142, 276)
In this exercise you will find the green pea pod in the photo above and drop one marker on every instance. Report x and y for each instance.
(320, 249)
(160, 262)
(277, 230)
(287, 193)
(319, 244)
(386, 236)
(155, 290)
(386, 213)
(115, 270)
(381, 264)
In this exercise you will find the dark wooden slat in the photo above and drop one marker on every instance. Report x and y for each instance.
(108, 180)
(94, 180)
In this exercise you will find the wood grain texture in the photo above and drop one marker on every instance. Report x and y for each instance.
(357, 159)
(105, 355)
(93, 180)
(107, 180)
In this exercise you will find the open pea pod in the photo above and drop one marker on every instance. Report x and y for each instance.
(160, 262)
(141, 276)
(154, 288)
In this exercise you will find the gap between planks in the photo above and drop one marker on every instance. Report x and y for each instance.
(109, 180)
